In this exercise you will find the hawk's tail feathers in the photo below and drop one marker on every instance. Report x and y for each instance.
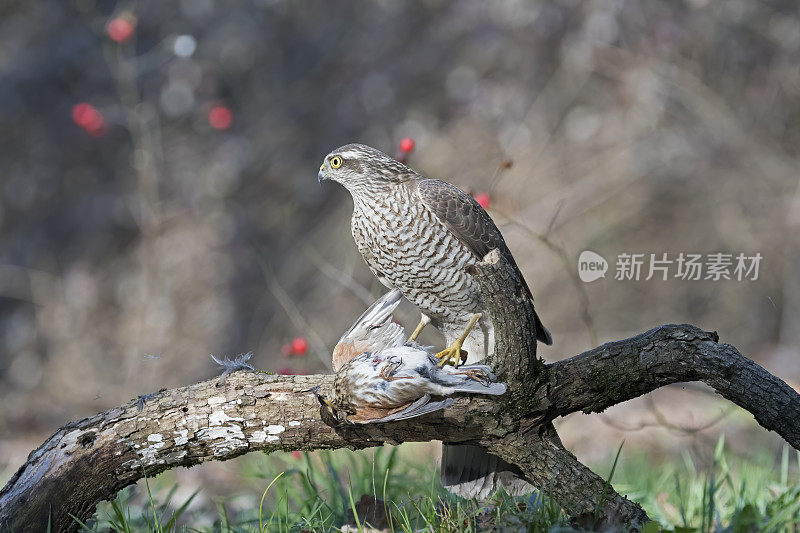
(472, 472)
(542, 335)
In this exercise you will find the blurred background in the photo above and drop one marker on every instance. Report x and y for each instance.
(159, 201)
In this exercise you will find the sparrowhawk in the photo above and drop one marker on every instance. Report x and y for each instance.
(420, 235)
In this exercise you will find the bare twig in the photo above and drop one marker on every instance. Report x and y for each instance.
(569, 266)
(288, 305)
(339, 276)
(662, 421)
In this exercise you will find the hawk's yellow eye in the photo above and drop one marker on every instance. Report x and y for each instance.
(336, 161)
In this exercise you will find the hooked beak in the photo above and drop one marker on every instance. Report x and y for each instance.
(321, 175)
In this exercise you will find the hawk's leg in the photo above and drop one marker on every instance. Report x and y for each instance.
(423, 321)
(452, 354)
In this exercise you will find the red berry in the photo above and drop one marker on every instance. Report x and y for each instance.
(220, 117)
(484, 199)
(83, 114)
(296, 455)
(406, 145)
(299, 346)
(89, 118)
(120, 29)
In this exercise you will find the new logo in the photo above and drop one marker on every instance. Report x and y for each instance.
(591, 266)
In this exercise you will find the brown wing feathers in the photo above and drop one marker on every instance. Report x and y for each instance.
(473, 226)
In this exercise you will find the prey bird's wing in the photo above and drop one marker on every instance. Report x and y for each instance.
(420, 407)
(374, 331)
(473, 226)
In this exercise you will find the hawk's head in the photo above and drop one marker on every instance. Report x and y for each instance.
(362, 169)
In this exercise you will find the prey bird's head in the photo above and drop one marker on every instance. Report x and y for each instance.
(362, 169)
(334, 410)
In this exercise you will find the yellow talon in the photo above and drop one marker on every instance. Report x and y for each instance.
(453, 354)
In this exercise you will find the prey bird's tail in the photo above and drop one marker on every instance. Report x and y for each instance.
(476, 387)
(474, 379)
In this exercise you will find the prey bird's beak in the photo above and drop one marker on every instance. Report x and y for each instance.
(321, 175)
(320, 398)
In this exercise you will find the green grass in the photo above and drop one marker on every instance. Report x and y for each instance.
(324, 490)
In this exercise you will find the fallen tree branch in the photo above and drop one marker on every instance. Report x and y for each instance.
(90, 460)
